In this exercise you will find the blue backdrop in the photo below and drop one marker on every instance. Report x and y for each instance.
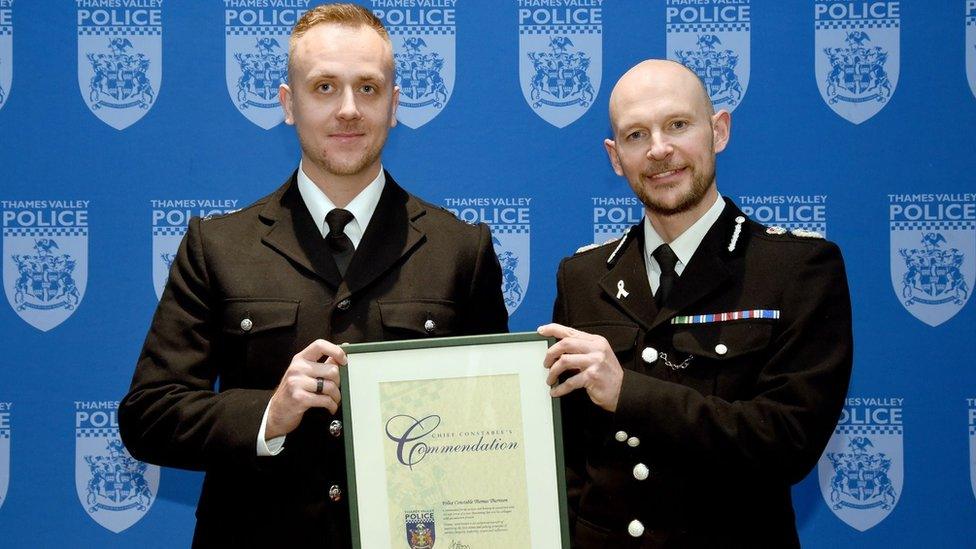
(119, 119)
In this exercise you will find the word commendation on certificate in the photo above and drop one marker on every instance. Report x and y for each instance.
(417, 438)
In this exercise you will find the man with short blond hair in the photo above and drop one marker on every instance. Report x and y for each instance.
(703, 358)
(258, 302)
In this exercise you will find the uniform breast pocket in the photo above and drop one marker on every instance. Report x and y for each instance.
(726, 356)
(259, 336)
(417, 318)
(622, 337)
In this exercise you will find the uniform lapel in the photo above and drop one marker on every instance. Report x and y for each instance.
(708, 268)
(625, 283)
(293, 233)
(390, 235)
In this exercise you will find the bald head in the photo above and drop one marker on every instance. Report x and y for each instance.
(659, 79)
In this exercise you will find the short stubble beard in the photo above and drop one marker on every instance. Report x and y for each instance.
(700, 183)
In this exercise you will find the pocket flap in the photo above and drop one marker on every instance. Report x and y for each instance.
(622, 336)
(253, 315)
(722, 340)
(430, 317)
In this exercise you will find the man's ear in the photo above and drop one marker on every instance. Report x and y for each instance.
(721, 129)
(611, 146)
(285, 97)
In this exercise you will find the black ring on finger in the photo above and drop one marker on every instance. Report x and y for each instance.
(319, 385)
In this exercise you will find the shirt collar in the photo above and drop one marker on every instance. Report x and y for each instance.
(361, 207)
(687, 242)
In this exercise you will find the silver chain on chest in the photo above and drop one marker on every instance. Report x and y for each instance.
(681, 366)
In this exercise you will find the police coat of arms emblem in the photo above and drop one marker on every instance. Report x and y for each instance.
(933, 267)
(115, 489)
(857, 73)
(712, 38)
(257, 65)
(48, 278)
(418, 74)
(425, 71)
(861, 473)
(120, 80)
(716, 68)
(119, 67)
(861, 477)
(560, 67)
(560, 77)
(45, 280)
(420, 536)
(933, 274)
(857, 59)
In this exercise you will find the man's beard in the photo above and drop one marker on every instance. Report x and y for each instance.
(347, 166)
(700, 183)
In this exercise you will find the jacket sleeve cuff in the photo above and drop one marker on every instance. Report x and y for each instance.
(273, 447)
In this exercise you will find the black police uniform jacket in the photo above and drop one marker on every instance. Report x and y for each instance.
(268, 264)
(724, 438)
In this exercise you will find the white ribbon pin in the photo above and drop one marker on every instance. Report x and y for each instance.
(621, 292)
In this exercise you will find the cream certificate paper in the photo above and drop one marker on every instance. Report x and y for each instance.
(454, 446)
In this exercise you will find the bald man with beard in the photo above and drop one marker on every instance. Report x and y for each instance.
(703, 359)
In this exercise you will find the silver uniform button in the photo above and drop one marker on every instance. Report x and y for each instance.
(335, 493)
(246, 325)
(649, 354)
(621, 436)
(635, 528)
(633, 442)
(721, 349)
(641, 471)
(344, 305)
(335, 428)
(430, 326)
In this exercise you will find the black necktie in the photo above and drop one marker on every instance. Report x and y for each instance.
(339, 244)
(667, 260)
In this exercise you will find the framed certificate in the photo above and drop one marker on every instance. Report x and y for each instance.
(454, 442)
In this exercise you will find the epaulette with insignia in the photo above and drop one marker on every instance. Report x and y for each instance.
(594, 246)
(803, 233)
(775, 230)
(218, 215)
(586, 248)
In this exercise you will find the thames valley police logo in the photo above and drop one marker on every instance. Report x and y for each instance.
(510, 229)
(45, 250)
(861, 472)
(712, 39)
(793, 212)
(256, 60)
(970, 44)
(972, 442)
(420, 529)
(4, 449)
(612, 216)
(857, 55)
(933, 253)
(120, 60)
(560, 59)
(114, 489)
(169, 223)
(6, 49)
(424, 53)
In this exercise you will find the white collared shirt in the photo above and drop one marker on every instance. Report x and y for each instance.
(362, 208)
(684, 246)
